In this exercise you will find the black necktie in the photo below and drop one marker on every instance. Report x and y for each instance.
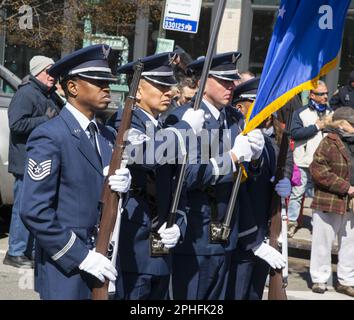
(221, 120)
(159, 125)
(93, 130)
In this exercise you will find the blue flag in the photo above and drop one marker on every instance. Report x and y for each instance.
(304, 46)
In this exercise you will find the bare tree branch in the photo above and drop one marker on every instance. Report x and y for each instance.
(113, 17)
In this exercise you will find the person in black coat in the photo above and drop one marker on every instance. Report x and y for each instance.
(34, 103)
(344, 96)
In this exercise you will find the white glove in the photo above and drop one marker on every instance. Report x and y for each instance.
(242, 148)
(120, 181)
(270, 255)
(195, 118)
(169, 236)
(256, 139)
(283, 188)
(99, 266)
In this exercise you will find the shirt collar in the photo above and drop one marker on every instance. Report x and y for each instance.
(80, 117)
(153, 120)
(213, 110)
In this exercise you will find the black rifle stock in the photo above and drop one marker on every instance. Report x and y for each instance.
(276, 284)
(110, 198)
(205, 72)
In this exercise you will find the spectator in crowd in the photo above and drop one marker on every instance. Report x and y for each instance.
(344, 96)
(332, 171)
(307, 127)
(187, 88)
(182, 94)
(34, 103)
(180, 64)
(244, 76)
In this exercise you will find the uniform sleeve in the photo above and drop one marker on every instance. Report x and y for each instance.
(39, 202)
(248, 230)
(322, 173)
(151, 149)
(20, 113)
(181, 218)
(210, 172)
(201, 170)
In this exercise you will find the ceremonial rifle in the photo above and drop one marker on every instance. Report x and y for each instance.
(111, 198)
(156, 246)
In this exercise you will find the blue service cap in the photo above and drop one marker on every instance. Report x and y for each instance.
(223, 66)
(157, 68)
(92, 62)
(246, 90)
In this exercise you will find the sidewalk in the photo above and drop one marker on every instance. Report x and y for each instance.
(303, 236)
(17, 284)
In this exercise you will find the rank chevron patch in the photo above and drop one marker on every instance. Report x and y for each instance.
(38, 171)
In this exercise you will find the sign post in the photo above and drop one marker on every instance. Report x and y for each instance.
(182, 15)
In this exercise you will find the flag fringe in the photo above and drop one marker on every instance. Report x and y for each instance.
(283, 99)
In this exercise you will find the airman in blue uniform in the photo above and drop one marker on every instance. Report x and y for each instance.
(64, 179)
(251, 260)
(200, 266)
(148, 203)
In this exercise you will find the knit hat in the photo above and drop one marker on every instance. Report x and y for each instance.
(344, 113)
(39, 63)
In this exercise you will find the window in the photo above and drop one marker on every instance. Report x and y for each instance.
(262, 29)
(347, 55)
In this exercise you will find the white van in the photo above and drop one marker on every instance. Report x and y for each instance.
(6, 179)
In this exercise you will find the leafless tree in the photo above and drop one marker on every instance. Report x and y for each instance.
(59, 24)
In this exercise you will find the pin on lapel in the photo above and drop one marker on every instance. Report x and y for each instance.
(207, 116)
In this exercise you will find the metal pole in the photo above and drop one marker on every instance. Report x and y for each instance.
(232, 201)
(172, 216)
(210, 52)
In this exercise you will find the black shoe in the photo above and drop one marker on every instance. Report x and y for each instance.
(319, 288)
(18, 262)
(348, 290)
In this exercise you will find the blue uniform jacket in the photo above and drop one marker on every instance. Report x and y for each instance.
(60, 206)
(216, 174)
(142, 213)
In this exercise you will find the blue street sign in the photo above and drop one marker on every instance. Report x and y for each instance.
(182, 15)
(180, 25)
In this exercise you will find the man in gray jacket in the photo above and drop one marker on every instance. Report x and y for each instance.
(34, 103)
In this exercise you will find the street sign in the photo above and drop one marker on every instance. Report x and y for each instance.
(164, 45)
(182, 15)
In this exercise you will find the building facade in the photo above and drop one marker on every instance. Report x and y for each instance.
(247, 27)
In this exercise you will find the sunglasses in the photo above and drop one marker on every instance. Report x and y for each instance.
(320, 94)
